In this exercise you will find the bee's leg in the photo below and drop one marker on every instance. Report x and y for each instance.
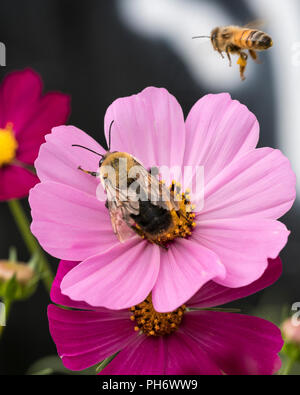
(228, 55)
(92, 173)
(242, 62)
(254, 56)
(160, 245)
(221, 53)
(106, 203)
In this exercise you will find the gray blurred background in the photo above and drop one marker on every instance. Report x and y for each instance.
(100, 50)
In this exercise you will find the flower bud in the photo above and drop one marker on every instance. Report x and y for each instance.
(291, 332)
(23, 272)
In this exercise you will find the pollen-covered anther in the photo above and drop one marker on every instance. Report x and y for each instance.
(8, 145)
(153, 323)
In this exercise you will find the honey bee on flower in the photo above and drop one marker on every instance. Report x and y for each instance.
(139, 203)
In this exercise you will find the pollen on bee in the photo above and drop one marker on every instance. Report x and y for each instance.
(181, 222)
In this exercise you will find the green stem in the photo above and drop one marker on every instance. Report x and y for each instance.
(288, 367)
(4, 314)
(30, 241)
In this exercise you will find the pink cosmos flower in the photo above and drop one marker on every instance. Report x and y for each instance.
(25, 117)
(246, 190)
(199, 342)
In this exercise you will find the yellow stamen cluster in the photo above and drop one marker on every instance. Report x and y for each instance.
(153, 323)
(8, 145)
(183, 219)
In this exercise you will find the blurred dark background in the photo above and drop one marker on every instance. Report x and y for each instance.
(98, 51)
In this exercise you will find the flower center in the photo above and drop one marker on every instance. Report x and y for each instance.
(8, 145)
(181, 222)
(153, 323)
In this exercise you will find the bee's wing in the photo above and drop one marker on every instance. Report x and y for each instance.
(157, 193)
(121, 222)
(256, 24)
(120, 211)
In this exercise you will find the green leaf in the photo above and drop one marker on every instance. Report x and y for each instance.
(11, 289)
(292, 350)
(52, 365)
(105, 362)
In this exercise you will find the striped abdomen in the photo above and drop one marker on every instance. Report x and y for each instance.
(152, 219)
(253, 39)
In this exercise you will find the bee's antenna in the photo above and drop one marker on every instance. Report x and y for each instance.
(88, 149)
(109, 134)
(201, 37)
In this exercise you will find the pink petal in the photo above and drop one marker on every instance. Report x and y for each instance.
(52, 110)
(84, 338)
(184, 269)
(238, 344)
(146, 355)
(258, 184)
(150, 126)
(185, 356)
(69, 223)
(19, 95)
(56, 295)
(58, 161)
(219, 130)
(213, 294)
(116, 279)
(176, 354)
(15, 182)
(243, 246)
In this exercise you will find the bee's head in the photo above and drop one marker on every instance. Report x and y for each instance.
(265, 42)
(102, 159)
(214, 38)
(106, 156)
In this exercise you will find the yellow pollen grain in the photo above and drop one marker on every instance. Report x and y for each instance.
(8, 145)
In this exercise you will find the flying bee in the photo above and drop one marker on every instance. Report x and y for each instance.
(237, 40)
(138, 202)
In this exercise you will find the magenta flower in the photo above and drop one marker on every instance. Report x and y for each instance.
(190, 340)
(246, 190)
(25, 117)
